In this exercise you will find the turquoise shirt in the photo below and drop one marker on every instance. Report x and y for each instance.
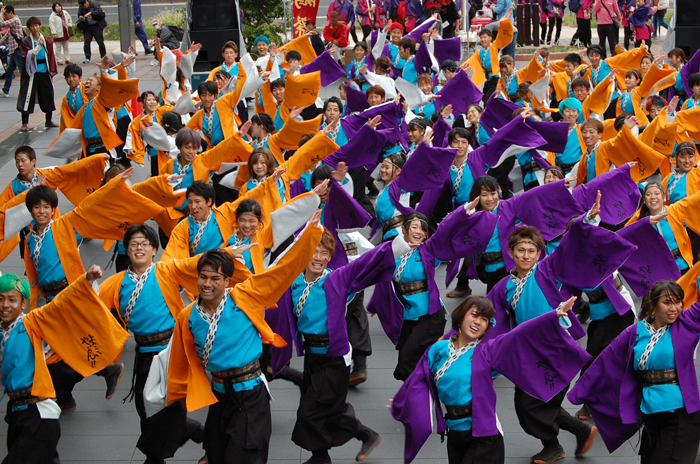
(396, 59)
(677, 187)
(75, 102)
(40, 67)
(572, 153)
(485, 58)
(409, 72)
(50, 269)
(18, 360)
(246, 254)
(414, 306)
(217, 133)
(211, 238)
(89, 127)
(532, 301)
(657, 398)
(481, 135)
(386, 210)
(237, 343)
(600, 310)
(185, 182)
(494, 246)
(314, 315)
(150, 314)
(524, 159)
(667, 234)
(461, 196)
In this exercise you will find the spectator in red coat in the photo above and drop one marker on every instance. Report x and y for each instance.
(335, 32)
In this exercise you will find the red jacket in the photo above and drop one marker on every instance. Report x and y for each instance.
(338, 33)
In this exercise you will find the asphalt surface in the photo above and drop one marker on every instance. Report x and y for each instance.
(147, 11)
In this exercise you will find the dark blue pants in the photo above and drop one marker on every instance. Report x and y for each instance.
(141, 34)
(14, 61)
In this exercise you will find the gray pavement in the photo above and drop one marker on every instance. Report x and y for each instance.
(148, 10)
(101, 431)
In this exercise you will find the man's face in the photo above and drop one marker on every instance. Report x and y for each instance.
(332, 112)
(485, 41)
(140, 250)
(654, 111)
(525, 255)
(12, 303)
(92, 87)
(319, 261)
(404, 53)
(211, 284)
(200, 207)
(590, 136)
(229, 56)
(278, 93)
(73, 80)
(569, 68)
(396, 35)
(581, 92)
(594, 58)
(35, 29)
(374, 99)
(42, 213)
(25, 165)
(207, 99)
(262, 48)
(461, 144)
(188, 151)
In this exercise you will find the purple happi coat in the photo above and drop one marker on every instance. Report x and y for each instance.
(541, 369)
(457, 236)
(342, 212)
(460, 92)
(619, 195)
(328, 67)
(611, 388)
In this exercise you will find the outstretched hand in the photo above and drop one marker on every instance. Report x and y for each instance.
(277, 175)
(595, 210)
(245, 128)
(340, 171)
(653, 220)
(316, 217)
(126, 175)
(94, 273)
(564, 308)
(238, 252)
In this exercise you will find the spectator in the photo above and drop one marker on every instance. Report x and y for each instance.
(38, 68)
(626, 7)
(605, 11)
(370, 12)
(659, 17)
(346, 13)
(138, 27)
(335, 32)
(91, 20)
(555, 15)
(60, 22)
(504, 9)
(583, 24)
(165, 35)
(12, 39)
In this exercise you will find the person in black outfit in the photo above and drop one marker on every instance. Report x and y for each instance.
(91, 20)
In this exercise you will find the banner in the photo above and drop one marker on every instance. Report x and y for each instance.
(303, 11)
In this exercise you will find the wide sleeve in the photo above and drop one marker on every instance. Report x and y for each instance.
(687, 211)
(158, 190)
(109, 292)
(114, 92)
(77, 180)
(530, 72)
(460, 234)
(624, 148)
(178, 246)
(291, 133)
(505, 34)
(232, 150)
(309, 155)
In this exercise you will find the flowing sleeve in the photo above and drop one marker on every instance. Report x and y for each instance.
(306, 157)
(505, 34)
(77, 180)
(460, 235)
(624, 148)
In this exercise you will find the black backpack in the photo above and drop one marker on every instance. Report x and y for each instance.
(177, 31)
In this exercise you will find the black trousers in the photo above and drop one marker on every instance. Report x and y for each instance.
(415, 338)
(239, 427)
(501, 173)
(670, 437)
(552, 21)
(602, 332)
(31, 439)
(168, 429)
(324, 418)
(607, 32)
(489, 88)
(583, 31)
(366, 32)
(40, 89)
(627, 37)
(358, 331)
(95, 32)
(463, 448)
(543, 420)
(64, 379)
(490, 278)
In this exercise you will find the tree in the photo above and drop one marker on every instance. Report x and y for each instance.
(266, 21)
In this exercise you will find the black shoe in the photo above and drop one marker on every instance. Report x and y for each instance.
(548, 455)
(368, 446)
(198, 435)
(114, 373)
(50, 124)
(149, 52)
(585, 439)
(459, 292)
(153, 461)
(321, 457)
(67, 404)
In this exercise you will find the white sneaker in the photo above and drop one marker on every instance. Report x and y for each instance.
(4, 95)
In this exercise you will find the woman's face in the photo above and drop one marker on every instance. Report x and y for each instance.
(550, 177)
(59, 8)
(686, 160)
(425, 86)
(247, 224)
(570, 115)
(414, 233)
(595, 59)
(667, 309)
(488, 199)
(473, 325)
(359, 53)
(260, 167)
(388, 171)
(646, 64)
(473, 115)
(416, 135)
(631, 82)
(654, 199)
(150, 104)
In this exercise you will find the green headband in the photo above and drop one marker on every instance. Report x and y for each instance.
(12, 282)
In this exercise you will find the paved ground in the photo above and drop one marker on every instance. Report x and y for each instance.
(148, 10)
(107, 431)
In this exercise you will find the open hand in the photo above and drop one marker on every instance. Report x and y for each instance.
(564, 308)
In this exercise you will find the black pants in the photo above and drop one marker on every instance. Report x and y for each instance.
(627, 37)
(552, 21)
(325, 419)
(31, 439)
(463, 448)
(415, 338)
(462, 278)
(168, 429)
(607, 32)
(64, 379)
(88, 34)
(352, 32)
(543, 420)
(358, 331)
(366, 32)
(670, 437)
(41, 89)
(489, 88)
(583, 31)
(501, 173)
(490, 278)
(239, 427)
(602, 332)
(611, 112)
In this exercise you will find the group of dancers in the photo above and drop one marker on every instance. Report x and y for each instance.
(274, 220)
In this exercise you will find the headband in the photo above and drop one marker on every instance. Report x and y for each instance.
(408, 221)
(525, 241)
(218, 272)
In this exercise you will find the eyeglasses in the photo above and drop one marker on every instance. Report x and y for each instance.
(144, 245)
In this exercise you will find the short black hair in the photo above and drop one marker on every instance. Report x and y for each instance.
(595, 49)
(320, 174)
(417, 123)
(693, 80)
(573, 58)
(208, 87)
(201, 189)
(41, 192)
(55, 4)
(620, 121)
(263, 119)
(450, 65)
(461, 131)
(409, 43)
(171, 122)
(486, 32)
(27, 150)
(487, 183)
(335, 100)
(292, 55)
(219, 260)
(10, 9)
(145, 94)
(277, 83)
(148, 231)
(72, 69)
(33, 20)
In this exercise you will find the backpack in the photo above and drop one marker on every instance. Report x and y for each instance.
(177, 31)
(574, 5)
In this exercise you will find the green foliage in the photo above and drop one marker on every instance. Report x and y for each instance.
(266, 21)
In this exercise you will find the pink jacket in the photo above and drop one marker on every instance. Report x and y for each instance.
(602, 14)
(585, 4)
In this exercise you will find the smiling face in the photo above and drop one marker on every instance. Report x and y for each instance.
(485, 41)
(140, 250)
(590, 136)
(581, 92)
(631, 82)
(425, 86)
(319, 261)
(594, 58)
(247, 224)
(207, 99)
(667, 310)
(359, 53)
(25, 166)
(461, 144)
(323, 194)
(686, 160)
(646, 64)
(73, 80)
(473, 325)
(550, 177)
(260, 167)
(488, 199)
(414, 233)
(525, 255)
(654, 199)
(374, 99)
(12, 303)
(570, 115)
(211, 285)
(42, 213)
(396, 35)
(150, 105)
(188, 151)
(278, 93)
(473, 115)
(404, 53)
(388, 171)
(199, 206)
(415, 135)
(92, 86)
(262, 48)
